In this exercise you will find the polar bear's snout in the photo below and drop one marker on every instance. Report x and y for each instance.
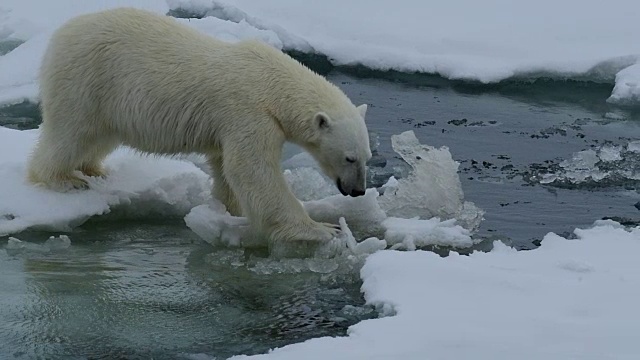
(351, 188)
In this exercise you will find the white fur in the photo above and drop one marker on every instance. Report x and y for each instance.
(131, 77)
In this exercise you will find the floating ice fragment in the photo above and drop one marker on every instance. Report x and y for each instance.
(609, 165)
(52, 244)
(363, 214)
(58, 243)
(309, 184)
(15, 244)
(581, 160)
(216, 226)
(409, 234)
(634, 146)
(614, 115)
(390, 185)
(370, 245)
(609, 153)
(433, 187)
(322, 266)
(582, 166)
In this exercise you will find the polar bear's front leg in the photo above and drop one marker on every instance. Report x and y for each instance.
(252, 170)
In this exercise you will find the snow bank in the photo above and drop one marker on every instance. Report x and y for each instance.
(486, 41)
(568, 299)
(137, 186)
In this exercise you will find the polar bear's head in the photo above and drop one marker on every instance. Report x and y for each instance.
(342, 148)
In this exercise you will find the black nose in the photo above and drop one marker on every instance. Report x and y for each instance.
(356, 193)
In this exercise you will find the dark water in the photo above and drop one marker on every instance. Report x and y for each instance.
(145, 289)
(501, 134)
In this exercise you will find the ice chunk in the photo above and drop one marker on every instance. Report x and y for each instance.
(627, 88)
(15, 244)
(363, 214)
(391, 184)
(59, 243)
(615, 115)
(634, 146)
(432, 189)
(308, 184)
(410, 234)
(216, 226)
(301, 159)
(583, 166)
(606, 166)
(370, 245)
(609, 153)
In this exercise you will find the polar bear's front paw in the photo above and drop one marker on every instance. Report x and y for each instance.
(322, 232)
(334, 229)
(94, 171)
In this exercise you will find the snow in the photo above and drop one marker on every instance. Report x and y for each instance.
(486, 41)
(138, 186)
(568, 299)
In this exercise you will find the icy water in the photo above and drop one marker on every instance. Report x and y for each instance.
(143, 289)
(150, 288)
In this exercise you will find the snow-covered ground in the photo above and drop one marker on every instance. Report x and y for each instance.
(568, 299)
(487, 41)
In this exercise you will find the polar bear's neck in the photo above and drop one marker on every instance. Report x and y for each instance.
(292, 94)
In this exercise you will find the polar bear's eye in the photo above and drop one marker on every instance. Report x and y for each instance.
(350, 159)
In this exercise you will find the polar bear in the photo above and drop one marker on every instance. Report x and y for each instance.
(135, 78)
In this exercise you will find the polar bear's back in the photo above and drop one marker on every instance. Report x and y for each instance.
(132, 72)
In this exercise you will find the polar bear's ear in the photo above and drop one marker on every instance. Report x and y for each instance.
(321, 120)
(362, 109)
